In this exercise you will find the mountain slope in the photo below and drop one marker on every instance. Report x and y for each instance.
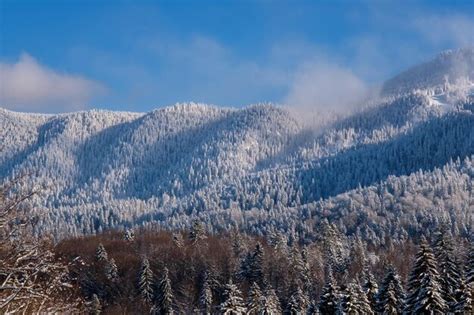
(448, 67)
(101, 169)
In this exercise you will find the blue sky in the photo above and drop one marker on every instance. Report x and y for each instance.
(58, 56)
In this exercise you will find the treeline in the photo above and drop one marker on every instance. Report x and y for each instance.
(192, 272)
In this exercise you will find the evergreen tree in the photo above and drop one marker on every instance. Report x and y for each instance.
(298, 302)
(312, 308)
(164, 298)
(424, 289)
(205, 297)
(101, 254)
(145, 281)
(306, 272)
(178, 239)
(447, 268)
(271, 303)
(197, 232)
(255, 300)
(111, 270)
(278, 241)
(370, 288)
(233, 303)
(328, 302)
(237, 244)
(469, 270)
(390, 297)
(362, 302)
(390, 305)
(256, 265)
(332, 241)
(251, 266)
(95, 307)
(348, 303)
(464, 296)
(245, 268)
(357, 255)
(300, 267)
(129, 235)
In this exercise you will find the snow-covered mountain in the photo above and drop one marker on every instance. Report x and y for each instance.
(390, 169)
(449, 67)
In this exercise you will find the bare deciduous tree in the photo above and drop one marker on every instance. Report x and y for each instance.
(32, 279)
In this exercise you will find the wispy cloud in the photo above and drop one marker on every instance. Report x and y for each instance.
(320, 87)
(162, 68)
(27, 85)
(333, 82)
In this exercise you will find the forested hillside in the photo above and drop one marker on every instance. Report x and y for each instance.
(390, 169)
(191, 272)
(198, 209)
(194, 272)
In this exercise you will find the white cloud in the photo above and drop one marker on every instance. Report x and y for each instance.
(309, 81)
(28, 86)
(320, 87)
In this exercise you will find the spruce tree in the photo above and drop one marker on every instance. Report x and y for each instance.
(370, 288)
(145, 281)
(464, 297)
(233, 303)
(197, 232)
(357, 255)
(362, 302)
(111, 270)
(254, 300)
(245, 269)
(391, 296)
(237, 244)
(271, 303)
(348, 303)
(251, 266)
(256, 266)
(390, 305)
(101, 253)
(328, 302)
(305, 272)
(332, 241)
(164, 298)
(447, 268)
(424, 289)
(205, 296)
(129, 235)
(469, 270)
(312, 308)
(300, 267)
(178, 239)
(298, 302)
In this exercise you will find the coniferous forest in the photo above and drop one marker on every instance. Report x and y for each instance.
(198, 209)
(194, 272)
(237, 157)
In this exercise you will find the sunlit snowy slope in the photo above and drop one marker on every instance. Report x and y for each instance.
(390, 169)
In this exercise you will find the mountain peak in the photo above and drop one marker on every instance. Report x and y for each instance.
(450, 67)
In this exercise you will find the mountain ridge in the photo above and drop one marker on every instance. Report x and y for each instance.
(101, 169)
